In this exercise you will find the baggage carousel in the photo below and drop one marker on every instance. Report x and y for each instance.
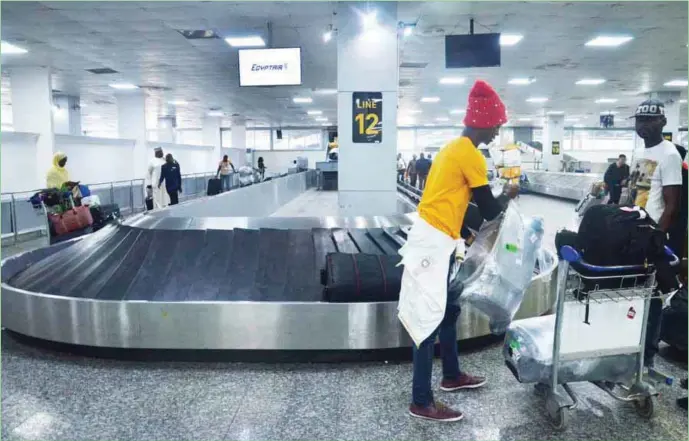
(240, 283)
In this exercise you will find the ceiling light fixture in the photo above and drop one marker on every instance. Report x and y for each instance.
(609, 112)
(368, 20)
(178, 103)
(609, 41)
(216, 113)
(682, 101)
(408, 30)
(253, 41)
(510, 39)
(430, 99)
(314, 112)
(524, 119)
(555, 112)
(442, 119)
(305, 100)
(415, 111)
(457, 111)
(124, 86)
(606, 100)
(327, 36)
(520, 81)
(590, 82)
(452, 80)
(537, 100)
(10, 49)
(676, 83)
(326, 91)
(321, 118)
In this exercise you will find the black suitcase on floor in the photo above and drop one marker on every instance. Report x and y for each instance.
(214, 187)
(673, 328)
(149, 203)
(354, 278)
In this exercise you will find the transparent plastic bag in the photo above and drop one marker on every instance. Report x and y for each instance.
(499, 266)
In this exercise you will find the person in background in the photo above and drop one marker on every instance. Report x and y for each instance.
(160, 197)
(224, 172)
(423, 167)
(459, 173)
(172, 175)
(658, 190)
(58, 176)
(411, 171)
(616, 177)
(633, 178)
(401, 168)
(261, 168)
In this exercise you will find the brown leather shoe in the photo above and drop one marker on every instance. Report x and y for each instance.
(464, 381)
(435, 412)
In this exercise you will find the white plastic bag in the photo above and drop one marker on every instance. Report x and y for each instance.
(499, 265)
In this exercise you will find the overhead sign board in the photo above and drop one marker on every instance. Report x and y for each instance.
(367, 114)
(556, 148)
(667, 136)
(270, 67)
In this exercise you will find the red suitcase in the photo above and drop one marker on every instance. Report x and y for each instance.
(71, 220)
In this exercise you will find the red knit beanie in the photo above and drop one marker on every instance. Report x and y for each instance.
(485, 109)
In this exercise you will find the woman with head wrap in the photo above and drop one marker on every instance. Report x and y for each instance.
(58, 175)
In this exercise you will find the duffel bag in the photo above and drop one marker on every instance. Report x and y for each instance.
(673, 329)
(71, 220)
(354, 278)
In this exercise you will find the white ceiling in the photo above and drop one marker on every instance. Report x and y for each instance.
(139, 40)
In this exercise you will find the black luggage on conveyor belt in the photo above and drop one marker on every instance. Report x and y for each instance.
(361, 278)
(104, 214)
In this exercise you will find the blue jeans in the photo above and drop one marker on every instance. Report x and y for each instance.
(225, 182)
(422, 393)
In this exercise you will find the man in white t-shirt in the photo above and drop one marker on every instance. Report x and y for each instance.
(658, 190)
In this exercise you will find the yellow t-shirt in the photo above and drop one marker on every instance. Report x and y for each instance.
(456, 169)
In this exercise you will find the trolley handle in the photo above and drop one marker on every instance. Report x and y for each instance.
(573, 256)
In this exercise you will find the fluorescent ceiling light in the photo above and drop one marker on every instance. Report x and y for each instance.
(415, 111)
(452, 80)
(216, 113)
(314, 112)
(556, 112)
(682, 101)
(536, 100)
(457, 111)
(430, 99)
(10, 49)
(442, 119)
(368, 20)
(178, 103)
(610, 112)
(326, 91)
(524, 119)
(245, 41)
(305, 100)
(325, 124)
(676, 83)
(124, 86)
(327, 36)
(321, 118)
(510, 39)
(609, 41)
(606, 100)
(408, 30)
(520, 81)
(590, 82)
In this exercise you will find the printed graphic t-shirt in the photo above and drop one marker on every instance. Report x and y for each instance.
(457, 169)
(659, 166)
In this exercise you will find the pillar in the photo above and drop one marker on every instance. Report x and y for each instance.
(166, 130)
(67, 115)
(238, 134)
(211, 136)
(368, 62)
(672, 112)
(32, 112)
(131, 124)
(553, 137)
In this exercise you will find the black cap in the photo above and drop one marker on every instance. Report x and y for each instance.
(650, 108)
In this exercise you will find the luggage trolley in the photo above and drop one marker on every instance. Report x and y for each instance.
(604, 344)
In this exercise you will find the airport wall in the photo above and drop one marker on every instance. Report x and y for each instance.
(279, 161)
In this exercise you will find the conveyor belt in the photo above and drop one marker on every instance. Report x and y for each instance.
(262, 265)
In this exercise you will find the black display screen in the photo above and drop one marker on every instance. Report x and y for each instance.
(474, 50)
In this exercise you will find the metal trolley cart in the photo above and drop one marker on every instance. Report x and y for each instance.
(604, 344)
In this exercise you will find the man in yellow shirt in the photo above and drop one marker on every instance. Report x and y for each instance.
(426, 307)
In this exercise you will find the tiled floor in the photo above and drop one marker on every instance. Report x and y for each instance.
(48, 396)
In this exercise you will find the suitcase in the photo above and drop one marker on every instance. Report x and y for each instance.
(354, 278)
(149, 203)
(214, 186)
(71, 220)
(104, 214)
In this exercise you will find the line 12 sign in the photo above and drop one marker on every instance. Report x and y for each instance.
(367, 111)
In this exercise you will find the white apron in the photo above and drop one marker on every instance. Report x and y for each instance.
(160, 197)
(423, 297)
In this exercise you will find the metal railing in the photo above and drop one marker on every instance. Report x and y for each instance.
(20, 219)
